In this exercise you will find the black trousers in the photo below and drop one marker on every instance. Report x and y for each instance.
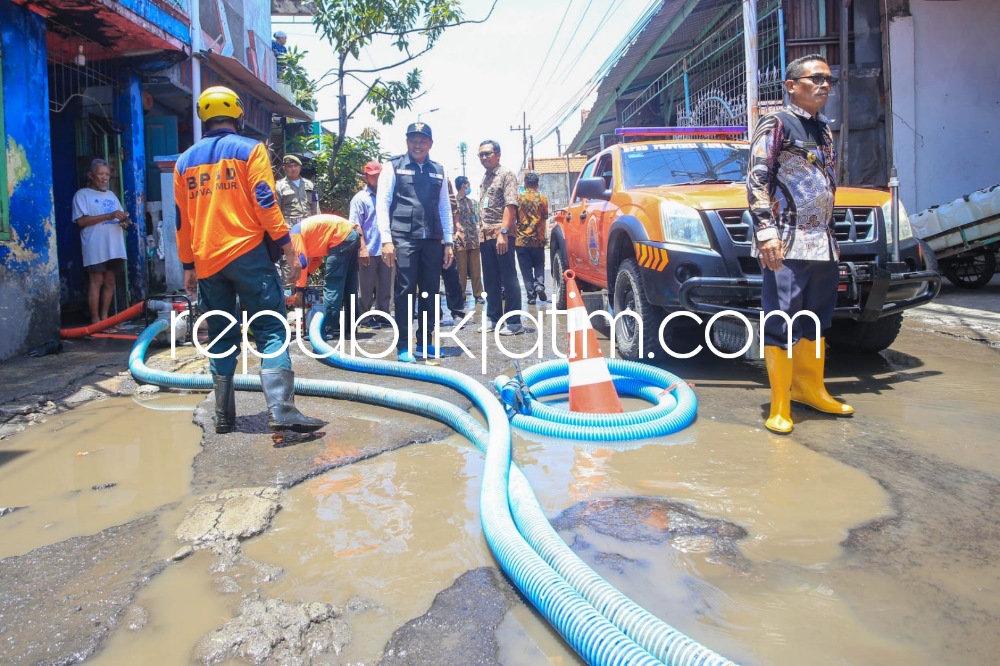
(418, 271)
(454, 294)
(799, 286)
(531, 261)
(499, 273)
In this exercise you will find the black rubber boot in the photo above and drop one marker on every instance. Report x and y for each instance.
(279, 392)
(225, 404)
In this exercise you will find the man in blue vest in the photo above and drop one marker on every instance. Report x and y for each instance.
(415, 223)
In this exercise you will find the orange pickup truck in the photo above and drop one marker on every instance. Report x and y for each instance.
(663, 226)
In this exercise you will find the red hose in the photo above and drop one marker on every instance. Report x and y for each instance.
(84, 331)
(115, 336)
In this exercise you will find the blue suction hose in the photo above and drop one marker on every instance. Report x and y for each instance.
(645, 639)
(534, 552)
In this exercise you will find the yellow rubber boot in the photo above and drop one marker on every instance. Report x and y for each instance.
(779, 374)
(807, 379)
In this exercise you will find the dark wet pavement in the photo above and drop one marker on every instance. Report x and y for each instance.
(877, 528)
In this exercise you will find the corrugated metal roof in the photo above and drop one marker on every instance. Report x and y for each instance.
(704, 14)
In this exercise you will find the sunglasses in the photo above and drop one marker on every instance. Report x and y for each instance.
(489, 154)
(820, 79)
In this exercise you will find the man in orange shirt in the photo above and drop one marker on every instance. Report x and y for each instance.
(337, 242)
(224, 191)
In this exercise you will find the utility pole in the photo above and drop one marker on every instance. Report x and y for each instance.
(569, 191)
(750, 56)
(463, 148)
(532, 163)
(524, 131)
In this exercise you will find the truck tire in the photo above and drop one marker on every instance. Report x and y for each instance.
(865, 336)
(630, 295)
(558, 281)
(930, 259)
(971, 270)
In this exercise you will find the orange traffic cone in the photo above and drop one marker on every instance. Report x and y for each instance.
(590, 387)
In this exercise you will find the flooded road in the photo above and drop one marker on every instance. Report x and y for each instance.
(91, 468)
(864, 540)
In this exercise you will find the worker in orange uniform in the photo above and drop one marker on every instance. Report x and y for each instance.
(332, 240)
(224, 191)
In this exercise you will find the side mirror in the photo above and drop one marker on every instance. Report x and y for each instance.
(592, 188)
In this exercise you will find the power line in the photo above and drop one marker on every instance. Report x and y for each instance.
(552, 43)
(567, 109)
(612, 8)
(574, 31)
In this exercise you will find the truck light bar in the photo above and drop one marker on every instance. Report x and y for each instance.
(678, 131)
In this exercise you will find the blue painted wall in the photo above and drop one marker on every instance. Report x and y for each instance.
(29, 284)
(128, 113)
(155, 15)
(65, 183)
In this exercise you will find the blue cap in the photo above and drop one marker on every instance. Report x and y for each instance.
(420, 128)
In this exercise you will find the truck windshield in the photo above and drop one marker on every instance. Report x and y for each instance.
(684, 164)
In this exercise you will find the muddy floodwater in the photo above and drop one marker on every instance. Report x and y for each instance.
(866, 540)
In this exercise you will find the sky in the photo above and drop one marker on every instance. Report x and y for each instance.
(478, 78)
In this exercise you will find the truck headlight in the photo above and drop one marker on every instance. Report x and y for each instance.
(683, 224)
(905, 231)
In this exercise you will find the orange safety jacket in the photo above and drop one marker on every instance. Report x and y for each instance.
(313, 238)
(224, 191)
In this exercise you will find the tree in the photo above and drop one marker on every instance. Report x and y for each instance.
(338, 174)
(412, 26)
(292, 72)
(339, 177)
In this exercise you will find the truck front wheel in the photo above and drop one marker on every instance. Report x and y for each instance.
(558, 280)
(865, 336)
(630, 295)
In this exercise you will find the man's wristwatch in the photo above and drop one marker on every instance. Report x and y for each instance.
(504, 231)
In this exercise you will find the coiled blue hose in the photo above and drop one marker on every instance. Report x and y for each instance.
(674, 403)
(506, 493)
(585, 628)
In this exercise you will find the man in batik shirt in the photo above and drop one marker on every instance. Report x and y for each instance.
(498, 206)
(532, 215)
(790, 189)
(467, 230)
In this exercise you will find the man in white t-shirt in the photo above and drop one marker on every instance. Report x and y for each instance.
(100, 216)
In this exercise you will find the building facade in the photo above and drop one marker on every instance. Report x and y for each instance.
(85, 79)
(926, 66)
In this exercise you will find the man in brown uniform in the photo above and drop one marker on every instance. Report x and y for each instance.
(297, 196)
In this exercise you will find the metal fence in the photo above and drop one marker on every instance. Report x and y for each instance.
(707, 85)
(79, 68)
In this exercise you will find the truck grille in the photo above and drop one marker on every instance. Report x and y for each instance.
(738, 223)
(855, 224)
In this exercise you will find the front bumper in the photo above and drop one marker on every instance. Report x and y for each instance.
(866, 292)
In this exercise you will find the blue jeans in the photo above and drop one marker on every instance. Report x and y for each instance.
(341, 282)
(254, 279)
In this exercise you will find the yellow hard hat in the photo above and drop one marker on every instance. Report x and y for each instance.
(219, 102)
